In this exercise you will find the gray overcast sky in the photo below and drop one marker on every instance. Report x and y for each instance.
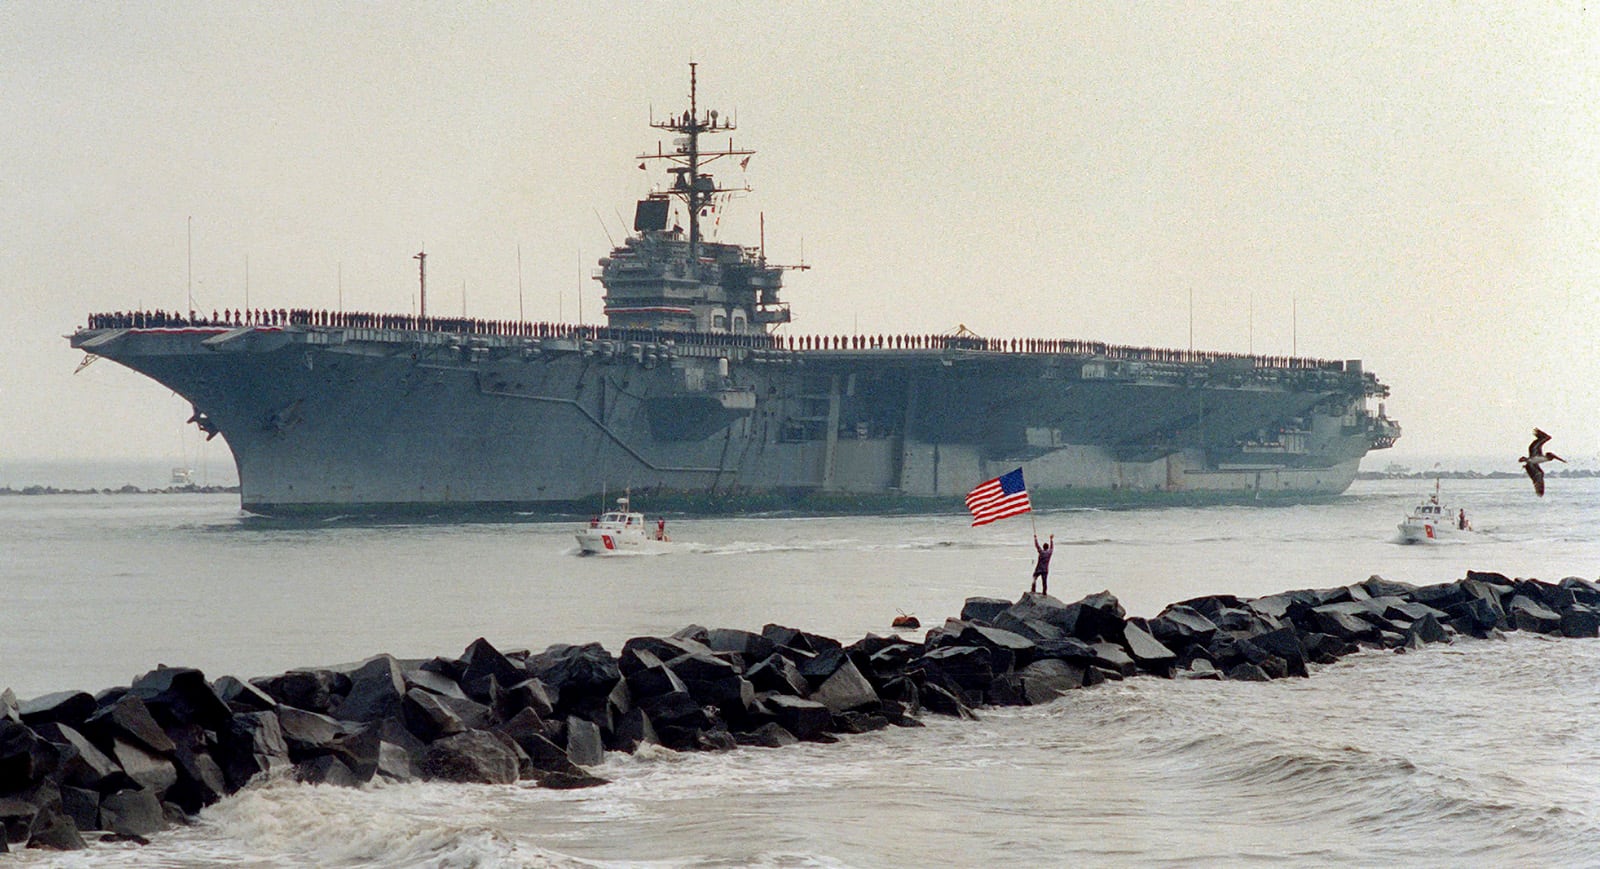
(1416, 185)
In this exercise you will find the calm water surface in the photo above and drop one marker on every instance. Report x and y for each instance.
(1481, 753)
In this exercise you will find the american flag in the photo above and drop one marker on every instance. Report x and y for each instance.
(998, 498)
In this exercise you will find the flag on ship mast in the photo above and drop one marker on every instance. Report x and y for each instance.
(1003, 496)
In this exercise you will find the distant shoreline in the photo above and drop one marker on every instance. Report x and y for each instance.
(1467, 475)
(126, 489)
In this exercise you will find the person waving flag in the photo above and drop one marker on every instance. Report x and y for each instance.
(1003, 496)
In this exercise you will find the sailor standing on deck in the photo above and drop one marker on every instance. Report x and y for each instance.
(1041, 569)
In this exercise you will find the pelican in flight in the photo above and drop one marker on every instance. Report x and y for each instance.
(1537, 456)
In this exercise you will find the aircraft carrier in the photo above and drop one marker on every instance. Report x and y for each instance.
(699, 396)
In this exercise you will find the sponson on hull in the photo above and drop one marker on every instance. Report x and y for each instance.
(699, 392)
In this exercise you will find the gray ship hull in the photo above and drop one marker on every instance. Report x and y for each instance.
(330, 419)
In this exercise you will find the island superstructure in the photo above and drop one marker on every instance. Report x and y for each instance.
(699, 391)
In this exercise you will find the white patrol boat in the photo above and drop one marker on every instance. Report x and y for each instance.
(623, 532)
(1431, 521)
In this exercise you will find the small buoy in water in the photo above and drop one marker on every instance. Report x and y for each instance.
(904, 621)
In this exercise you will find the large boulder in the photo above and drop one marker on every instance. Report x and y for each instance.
(846, 691)
(376, 689)
(64, 707)
(1285, 645)
(481, 660)
(577, 676)
(969, 668)
(128, 718)
(252, 744)
(747, 645)
(983, 609)
(1147, 651)
(243, 696)
(476, 756)
(798, 640)
(1179, 625)
(585, 746)
(1529, 614)
(151, 771)
(181, 695)
(133, 812)
(1100, 618)
(311, 690)
(805, 719)
(1580, 620)
(778, 673)
(308, 734)
(83, 763)
(1045, 680)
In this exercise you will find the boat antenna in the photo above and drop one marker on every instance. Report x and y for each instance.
(605, 229)
(422, 284)
(520, 315)
(191, 264)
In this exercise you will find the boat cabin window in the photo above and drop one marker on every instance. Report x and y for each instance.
(719, 321)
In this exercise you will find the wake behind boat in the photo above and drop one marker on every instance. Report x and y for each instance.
(623, 532)
(1432, 521)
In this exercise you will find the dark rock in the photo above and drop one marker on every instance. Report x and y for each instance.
(633, 729)
(16, 819)
(846, 691)
(1582, 590)
(1034, 629)
(778, 673)
(1045, 680)
(133, 812)
(1339, 621)
(82, 805)
(434, 683)
(311, 690)
(940, 701)
(527, 694)
(574, 673)
(151, 771)
(798, 640)
(1248, 672)
(54, 831)
(527, 731)
(983, 609)
(1145, 650)
(10, 708)
(1285, 645)
(376, 689)
(1180, 625)
(482, 659)
(64, 707)
(1528, 614)
(749, 646)
(858, 722)
(1110, 656)
(128, 718)
(254, 745)
(568, 781)
(200, 778)
(1376, 586)
(1396, 609)
(1101, 617)
(645, 674)
(769, 735)
(584, 745)
(732, 695)
(327, 769)
(892, 659)
(675, 710)
(83, 764)
(966, 668)
(806, 719)
(1475, 616)
(1070, 649)
(1580, 621)
(308, 734)
(473, 756)
(243, 697)
(1042, 609)
(1427, 630)
(181, 695)
(1199, 668)
(820, 666)
(1439, 596)
(702, 667)
(429, 716)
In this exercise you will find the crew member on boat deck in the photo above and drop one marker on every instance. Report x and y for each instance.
(1461, 520)
(1041, 568)
(661, 529)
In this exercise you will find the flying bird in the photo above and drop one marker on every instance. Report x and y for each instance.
(1537, 456)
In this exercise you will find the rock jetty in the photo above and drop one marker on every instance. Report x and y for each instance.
(129, 761)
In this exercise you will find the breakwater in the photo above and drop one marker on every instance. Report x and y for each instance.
(172, 741)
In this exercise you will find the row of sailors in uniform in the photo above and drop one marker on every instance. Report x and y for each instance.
(515, 329)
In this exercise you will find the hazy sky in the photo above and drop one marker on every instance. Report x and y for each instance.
(1416, 185)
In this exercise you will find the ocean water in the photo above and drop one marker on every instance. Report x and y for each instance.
(1479, 753)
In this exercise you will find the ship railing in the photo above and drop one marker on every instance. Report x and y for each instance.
(1163, 360)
